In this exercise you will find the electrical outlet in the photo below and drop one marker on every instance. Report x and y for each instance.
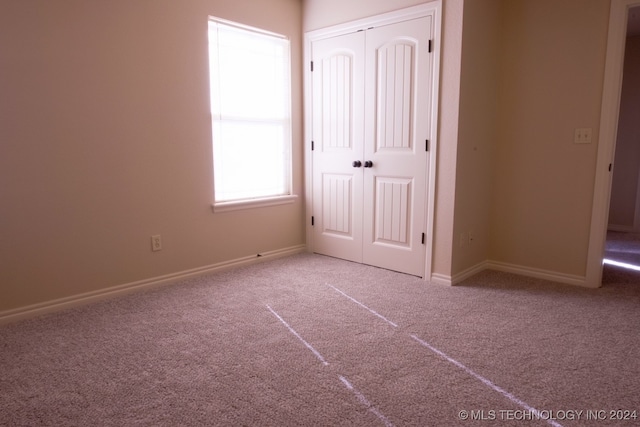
(156, 243)
(582, 136)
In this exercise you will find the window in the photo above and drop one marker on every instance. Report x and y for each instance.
(250, 82)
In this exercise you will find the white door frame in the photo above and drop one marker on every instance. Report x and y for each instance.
(607, 138)
(432, 8)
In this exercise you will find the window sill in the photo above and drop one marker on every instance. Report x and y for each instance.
(253, 203)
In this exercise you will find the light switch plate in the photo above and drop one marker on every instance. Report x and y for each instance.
(582, 136)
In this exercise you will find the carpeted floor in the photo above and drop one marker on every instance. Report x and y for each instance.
(312, 340)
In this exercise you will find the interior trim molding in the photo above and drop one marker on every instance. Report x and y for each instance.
(621, 228)
(441, 279)
(253, 203)
(59, 304)
(537, 273)
(553, 276)
(463, 275)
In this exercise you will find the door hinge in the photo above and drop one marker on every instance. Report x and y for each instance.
(609, 167)
(312, 66)
(312, 221)
(430, 45)
(426, 145)
(423, 237)
(312, 145)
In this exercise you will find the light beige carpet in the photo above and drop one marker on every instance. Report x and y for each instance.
(315, 341)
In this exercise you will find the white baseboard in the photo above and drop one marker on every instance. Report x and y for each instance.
(537, 273)
(441, 279)
(29, 311)
(459, 277)
(509, 268)
(621, 228)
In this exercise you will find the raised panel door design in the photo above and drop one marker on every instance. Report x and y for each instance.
(395, 69)
(392, 211)
(371, 93)
(395, 187)
(337, 101)
(338, 104)
(337, 202)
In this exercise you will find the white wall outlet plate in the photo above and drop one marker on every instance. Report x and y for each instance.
(156, 243)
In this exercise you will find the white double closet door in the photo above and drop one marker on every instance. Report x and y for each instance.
(371, 93)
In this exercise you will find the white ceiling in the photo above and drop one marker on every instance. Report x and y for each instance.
(633, 23)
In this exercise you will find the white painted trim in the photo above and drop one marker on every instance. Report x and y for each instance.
(621, 228)
(607, 138)
(434, 141)
(471, 271)
(308, 137)
(393, 17)
(537, 273)
(636, 216)
(441, 279)
(29, 311)
(253, 203)
(434, 9)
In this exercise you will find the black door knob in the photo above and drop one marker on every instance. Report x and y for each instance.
(357, 163)
(368, 164)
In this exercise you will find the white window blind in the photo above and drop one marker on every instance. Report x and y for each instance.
(251, 112)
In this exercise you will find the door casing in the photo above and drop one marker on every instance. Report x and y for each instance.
(607, 139)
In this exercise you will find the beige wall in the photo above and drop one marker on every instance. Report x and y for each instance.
(105, 140)
(481, 62)
(623, 210)
(551, 83)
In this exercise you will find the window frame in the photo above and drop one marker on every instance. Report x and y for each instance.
(267, 200)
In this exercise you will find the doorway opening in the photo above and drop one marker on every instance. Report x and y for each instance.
(622, 249)
(616, 216)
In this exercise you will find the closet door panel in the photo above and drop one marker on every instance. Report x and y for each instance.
(338, 126)
(393, 96)
(391, 210)
(396, 128)
(371, 97)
